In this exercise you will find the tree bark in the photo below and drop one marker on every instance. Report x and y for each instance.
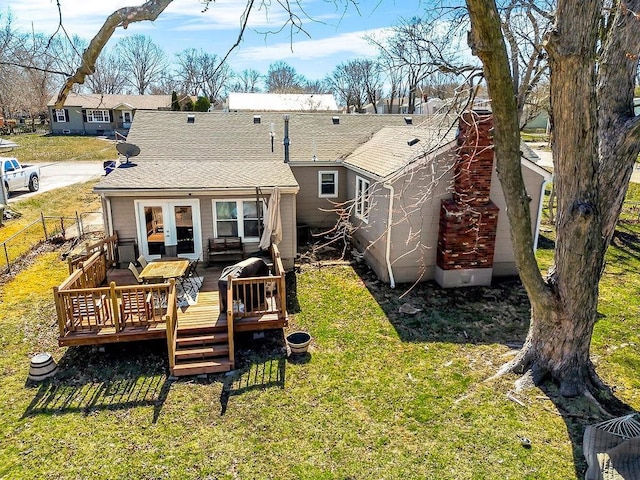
(594, 147)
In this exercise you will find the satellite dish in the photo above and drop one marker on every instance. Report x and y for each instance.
(128, 150)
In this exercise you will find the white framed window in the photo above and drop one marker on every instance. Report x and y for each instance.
(362, 203)
(98, 116)
(60, 115)
(238, 218)
(327, 183)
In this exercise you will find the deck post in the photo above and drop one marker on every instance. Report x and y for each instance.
(61, 320)
(115, 311)
(171, 322)
(230, 319)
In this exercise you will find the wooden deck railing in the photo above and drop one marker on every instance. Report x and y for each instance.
(88, 274)
(171, 318)
(114, 307)
(107, 245)
(257, 296)
(230, 318)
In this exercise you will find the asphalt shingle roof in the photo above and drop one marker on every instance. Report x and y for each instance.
(97, 100)
(232, 150)
(392, 148)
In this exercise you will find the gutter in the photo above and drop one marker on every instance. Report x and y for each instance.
(388, 186)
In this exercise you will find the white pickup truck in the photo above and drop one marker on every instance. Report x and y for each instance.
(16, 176)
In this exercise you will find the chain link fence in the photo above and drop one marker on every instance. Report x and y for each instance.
(48, 229)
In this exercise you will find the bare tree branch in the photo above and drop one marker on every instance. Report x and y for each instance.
(120, 18)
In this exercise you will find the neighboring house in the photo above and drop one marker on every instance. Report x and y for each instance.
(282, 102)
(207, 175)
(431, 107)
(98, 114)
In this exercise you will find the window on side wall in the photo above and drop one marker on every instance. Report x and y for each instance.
(362, 198)
(328, 184)
(98, 116)
(60, 115)
(238, 218)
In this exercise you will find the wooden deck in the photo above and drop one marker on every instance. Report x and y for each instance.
(206, 311)
(199, 337)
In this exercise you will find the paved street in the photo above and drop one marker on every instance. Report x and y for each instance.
(61, 174)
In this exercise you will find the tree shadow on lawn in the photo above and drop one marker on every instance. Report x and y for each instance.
(260, 365)
(498, 314)
(578, 413)
(113, 377)
(477, 315)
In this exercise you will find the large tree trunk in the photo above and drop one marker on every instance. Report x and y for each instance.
(593, 158)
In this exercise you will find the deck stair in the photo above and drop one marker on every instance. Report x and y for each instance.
(201, 349)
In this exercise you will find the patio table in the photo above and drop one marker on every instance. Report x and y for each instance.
(165, 269)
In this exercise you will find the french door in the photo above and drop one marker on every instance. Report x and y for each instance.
(169, 228)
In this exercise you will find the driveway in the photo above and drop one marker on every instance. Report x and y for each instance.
(61, 174)
(546, 160)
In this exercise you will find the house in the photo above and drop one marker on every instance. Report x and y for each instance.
(209, 175)
(101, 114)
(282, 102)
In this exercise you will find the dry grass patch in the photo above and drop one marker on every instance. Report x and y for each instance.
(37, 148)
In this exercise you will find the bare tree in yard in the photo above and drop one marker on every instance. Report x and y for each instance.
(203, 74)
(524, 24)
(247, 81)
(283, 78)
(315, 86)
(417, 49)
(371, 81)
(26, 73)
(593, 56)
(109, 77)
(346, 85)
(143, 61)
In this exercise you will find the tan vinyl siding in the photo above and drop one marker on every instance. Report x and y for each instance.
(308, 204)
(416, 219)
(415, 229)
(504, 261)
(123, 216)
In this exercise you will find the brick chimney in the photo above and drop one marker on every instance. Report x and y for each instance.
(469, 220)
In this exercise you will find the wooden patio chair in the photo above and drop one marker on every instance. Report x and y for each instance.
(142, 261)
(88, 310)
(136, 305)
(192, 273)
(135, 272)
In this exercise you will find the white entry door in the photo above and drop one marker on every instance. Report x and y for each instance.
(169, 228)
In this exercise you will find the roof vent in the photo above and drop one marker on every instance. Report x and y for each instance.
(191, 119)
(408, 120)
(335, 120)
(257, 119)
(413, 141)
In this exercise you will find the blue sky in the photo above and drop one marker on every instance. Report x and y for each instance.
(336, 34)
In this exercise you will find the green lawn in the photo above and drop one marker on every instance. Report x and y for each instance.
(381, 394)
(37, 148)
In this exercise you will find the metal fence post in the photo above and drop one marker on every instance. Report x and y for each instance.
(44, 226)
(79, 224)
(6, 255)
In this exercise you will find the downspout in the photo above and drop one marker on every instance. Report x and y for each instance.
(392, 281)
(286, 141)
(540, 206)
